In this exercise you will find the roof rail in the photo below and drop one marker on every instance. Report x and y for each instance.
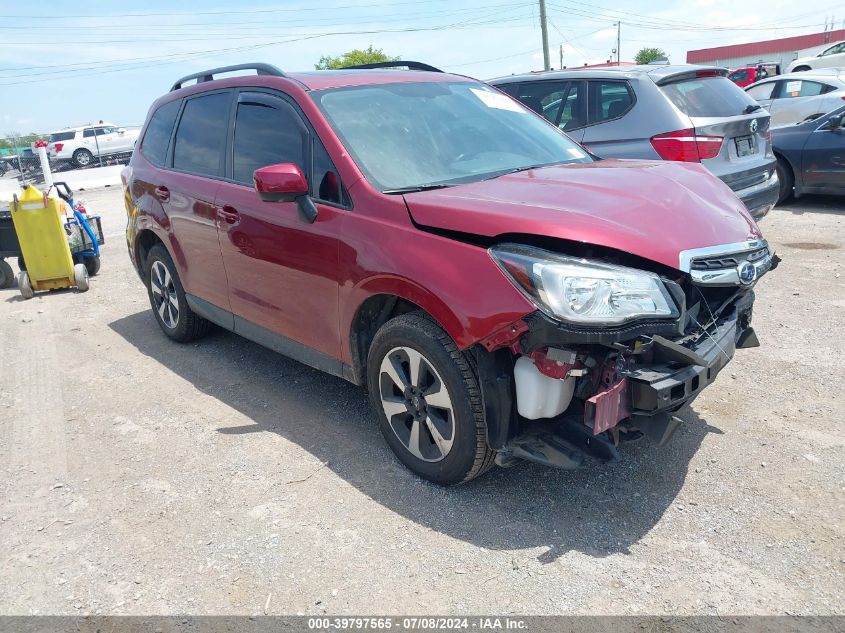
(208, 75)
(397, 64)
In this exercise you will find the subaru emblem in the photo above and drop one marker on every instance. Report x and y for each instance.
(747, 273)
(754, 126)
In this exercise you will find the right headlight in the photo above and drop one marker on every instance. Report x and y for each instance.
(583, 291)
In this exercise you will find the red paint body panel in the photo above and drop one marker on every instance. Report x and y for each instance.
(284, 179)
(307, 282)
(614, 203)
(607, 408)
(765, 47)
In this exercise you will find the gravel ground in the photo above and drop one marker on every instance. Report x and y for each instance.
(143, 477)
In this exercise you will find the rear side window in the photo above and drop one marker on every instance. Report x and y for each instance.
(62, 136)
(609, 100)
(201, 135)
(762, 91)
(88, 132)
(708, 97)
(266, 135)
(159, 129)
(510, 89)
(799, 88)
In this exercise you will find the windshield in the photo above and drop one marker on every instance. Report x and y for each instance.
(408, 136)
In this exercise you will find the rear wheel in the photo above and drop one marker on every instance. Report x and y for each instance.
(7, 277)
(82, 158)
(785, 179)
(428, 401)
(168, 301)
(92, 265)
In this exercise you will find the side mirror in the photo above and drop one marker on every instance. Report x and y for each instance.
(835, 123)
(285, 182)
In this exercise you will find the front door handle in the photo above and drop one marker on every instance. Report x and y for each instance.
(229, 214)
(162, 193)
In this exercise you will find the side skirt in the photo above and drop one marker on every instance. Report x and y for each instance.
(269, 339)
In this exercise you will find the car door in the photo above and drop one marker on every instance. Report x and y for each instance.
(282, 270)
(187, 192)
(823, 158)
(763, 93)
(797, 100)
(558, 101)
(88, 140)
(106, 136)
(608, 134)
(833, 57)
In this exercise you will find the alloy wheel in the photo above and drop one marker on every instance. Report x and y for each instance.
(417, 404)
(164, 294)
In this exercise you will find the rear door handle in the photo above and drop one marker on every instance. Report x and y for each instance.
(162, 193)
(229, 214)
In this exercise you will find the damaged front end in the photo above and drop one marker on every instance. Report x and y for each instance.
(612, 352)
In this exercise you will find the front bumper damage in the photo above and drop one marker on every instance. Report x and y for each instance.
(646, 380)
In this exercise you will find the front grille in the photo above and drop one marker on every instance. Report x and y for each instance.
(728, 261)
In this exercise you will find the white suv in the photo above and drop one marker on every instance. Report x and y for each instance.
(81, 145)
(831, 57)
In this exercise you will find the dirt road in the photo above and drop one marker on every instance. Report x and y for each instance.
(142, 477)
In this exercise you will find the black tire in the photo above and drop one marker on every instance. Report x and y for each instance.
(469, 455)
(92, 265)
(7, 277)
(21, 263)
(83, 158)
(187, 325)
(786, 180)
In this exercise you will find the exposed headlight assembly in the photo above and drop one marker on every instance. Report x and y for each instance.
(583, 291)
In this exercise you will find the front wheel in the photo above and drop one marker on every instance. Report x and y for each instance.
(80, 277)
(428, 401)
(25, 286)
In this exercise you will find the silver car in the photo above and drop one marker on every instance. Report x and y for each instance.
(801, 96)
(686, 113)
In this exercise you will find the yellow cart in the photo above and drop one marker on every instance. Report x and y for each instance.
(44, 245)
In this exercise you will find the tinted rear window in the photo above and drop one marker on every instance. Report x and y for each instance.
(708, 97)
(201, 135)
(157, 136)
(62, 136)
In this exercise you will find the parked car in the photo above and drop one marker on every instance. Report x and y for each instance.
(81, 145)
(833, 56)
(797, 97)
(811, 156)
(676, 113)
(747, 75)
(500, 293)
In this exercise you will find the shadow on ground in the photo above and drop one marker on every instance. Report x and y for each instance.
(598, 510)
(813, 204)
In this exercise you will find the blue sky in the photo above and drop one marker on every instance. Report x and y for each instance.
(67, 62)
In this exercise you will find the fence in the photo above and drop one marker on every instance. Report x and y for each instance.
(19, 160)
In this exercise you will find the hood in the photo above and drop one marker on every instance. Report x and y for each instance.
(651, 209)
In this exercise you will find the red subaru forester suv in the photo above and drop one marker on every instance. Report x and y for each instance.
(501, 293)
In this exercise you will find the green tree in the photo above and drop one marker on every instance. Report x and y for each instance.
(648, 55)
(354, 57)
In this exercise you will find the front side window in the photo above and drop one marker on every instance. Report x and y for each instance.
(201, 135)
(834, 50)
(266, 135)
(157, 137)
(738, 75)
(800, 88)
(407, 136)
(609, 100)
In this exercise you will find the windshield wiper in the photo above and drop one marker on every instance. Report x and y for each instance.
(752, 108)
(415, 188)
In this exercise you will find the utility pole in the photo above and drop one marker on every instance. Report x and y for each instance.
(545, 32)
(618, 43)
(561, 58)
